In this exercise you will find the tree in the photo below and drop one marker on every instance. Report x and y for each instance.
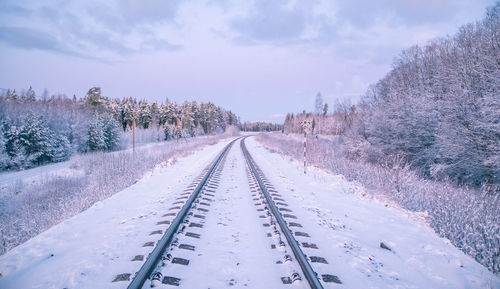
(144, 116)
(29, 96)
(96, 140)
(128, 112)
(102, 133)
(4, 157)
(318, 104)
(14, 155)
(93, 97)
(187, 117)
(11, 95)
(36, 139)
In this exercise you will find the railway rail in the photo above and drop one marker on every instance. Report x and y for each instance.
(307, 270)
(159, 252)
(196, 199)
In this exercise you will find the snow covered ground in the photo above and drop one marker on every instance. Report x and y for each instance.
(90, 249)
(9, 180)
(234, 250)
(349, 228)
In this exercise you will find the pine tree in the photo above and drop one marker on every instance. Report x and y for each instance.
(318, 104)
(36, 139)
(113, 107)
(61, 148)
(110, 130)
(155, 113)
(144, 117)
(188, 119)
(93, 97)
(28, 96)
(128, 112)
(4, 157)
(11, 95)
(96, 139)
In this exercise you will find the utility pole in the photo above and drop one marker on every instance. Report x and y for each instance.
(306, 124)
(133, 135)
(305, 147)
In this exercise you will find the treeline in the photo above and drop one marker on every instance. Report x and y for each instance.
(437, 110)
(335, 123)
(260, 126)
(178, 120)
(38, 130)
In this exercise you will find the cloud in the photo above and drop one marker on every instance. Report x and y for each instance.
(363, 13)
(137, 12)
(28, 38)
(273, 22)
(291, 22)
(88, 29)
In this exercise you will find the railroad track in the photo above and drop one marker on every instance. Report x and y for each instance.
(191, 210)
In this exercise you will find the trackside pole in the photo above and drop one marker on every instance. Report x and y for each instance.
(133, 135)
(305, 152)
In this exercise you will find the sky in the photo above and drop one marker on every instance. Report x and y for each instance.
(261, 59)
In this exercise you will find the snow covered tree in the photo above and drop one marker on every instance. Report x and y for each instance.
(129, 112)
(35, 137)
(318, 104)
(13, 152)
(93, 97)
(61, 148)
(144, 116)
(166, 114)
(29, 96)
(96, 140)
(4, 157)
(155, 113)
(102, 133)
(11, 95)
(110, 129)
(187, 117)
(113, 107)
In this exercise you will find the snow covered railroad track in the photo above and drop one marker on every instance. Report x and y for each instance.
(195, 199)
(275, 209)
(248, 235)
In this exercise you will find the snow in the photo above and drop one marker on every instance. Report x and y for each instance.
(349, 228)
(90, 249)
(67, 168)
(38, 174)
(234, 249)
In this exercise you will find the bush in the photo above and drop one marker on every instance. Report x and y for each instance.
(469, 218)
(29, 209)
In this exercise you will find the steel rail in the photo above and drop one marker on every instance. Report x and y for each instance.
(154, 258)
(309, 273)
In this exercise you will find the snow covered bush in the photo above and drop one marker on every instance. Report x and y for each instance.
(28, 209)
(468, 217)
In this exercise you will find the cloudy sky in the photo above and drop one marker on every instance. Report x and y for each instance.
(260, 59)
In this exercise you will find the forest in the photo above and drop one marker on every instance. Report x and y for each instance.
(426, 136)
(36, 130)
(260, 126)
(437, 110)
